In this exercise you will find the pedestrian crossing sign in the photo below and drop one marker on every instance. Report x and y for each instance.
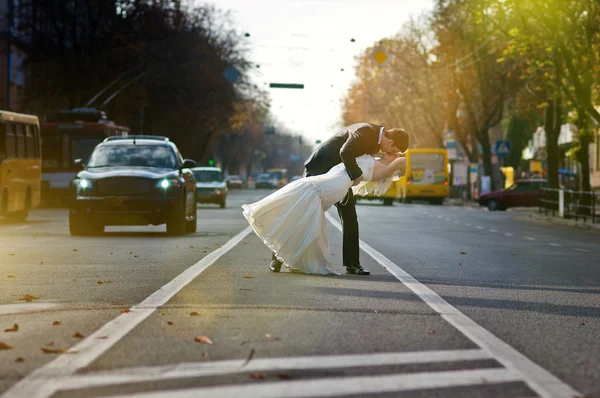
(502, 148)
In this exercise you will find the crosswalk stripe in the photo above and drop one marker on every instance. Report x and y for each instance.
(215, 368)
(339, 386)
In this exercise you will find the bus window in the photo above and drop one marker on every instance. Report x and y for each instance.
(36, 140)
(20, 137)
(30, 141)
(11, 142)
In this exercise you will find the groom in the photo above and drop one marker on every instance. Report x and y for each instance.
(345, 146)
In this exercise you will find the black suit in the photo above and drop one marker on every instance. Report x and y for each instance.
(345, 146)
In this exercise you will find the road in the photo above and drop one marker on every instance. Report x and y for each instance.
(461, 302)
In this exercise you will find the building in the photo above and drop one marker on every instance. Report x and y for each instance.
(12, 56)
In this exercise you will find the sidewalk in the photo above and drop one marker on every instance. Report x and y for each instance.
(588, 226)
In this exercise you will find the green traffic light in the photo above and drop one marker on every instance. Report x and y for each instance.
(211, 162)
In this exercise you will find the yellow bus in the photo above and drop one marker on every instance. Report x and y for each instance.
(280, 175)
(20, 165)
(392, 194)
(427, 176)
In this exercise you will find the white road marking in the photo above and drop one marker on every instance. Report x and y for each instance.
(479, 227)
(508, 234)
(339, 386)
(447, 219)
(582, 250)
(536, 377)
(24, 227)
(554, 244)
(529, 238)
(40, 384)
(493, 230)
(6, 309)
(199, 369)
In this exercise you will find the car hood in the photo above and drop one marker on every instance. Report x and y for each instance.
(143, 172)
(211, 184)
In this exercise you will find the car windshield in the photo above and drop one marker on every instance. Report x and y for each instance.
(133, 156)
(208, 176)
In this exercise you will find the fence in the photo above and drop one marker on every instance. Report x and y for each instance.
(570, 204)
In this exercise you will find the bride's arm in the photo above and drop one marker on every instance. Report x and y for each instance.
(382, 171)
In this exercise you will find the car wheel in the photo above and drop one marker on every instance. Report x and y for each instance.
(387, 202)
(493, 205)
(192, 225)
(222, 203)
(176, 222)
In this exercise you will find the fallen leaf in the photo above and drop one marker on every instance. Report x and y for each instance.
(203, 340)
(20, 359)
(29, 298)
(249, 290)
(130, 252)
(216, 244)
(339, 284)
(136, 255)
(248, 277)
(100, 283)
(244, 243)
(56, 323)
(194, 313)
(4, 346)
(245, 342)
(170, 323)
(191, 247)
(74, 279)
(582, 323)
(78, 335)
(50, 344)
(12, 276)
(258, 375)
(15, 328)
(125, 310)
(41, 263)
(53, 350)
(204, 354)
(271, 337)
(431, 331)
(284, 376)
(204, 251)
(75, 250)
(463, 253)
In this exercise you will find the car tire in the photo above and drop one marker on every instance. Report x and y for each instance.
(192, 225)
(222, 203)
(176, 222)
(388, 202)
(493, 205)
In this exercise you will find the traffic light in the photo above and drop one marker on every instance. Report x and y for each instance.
(211, 163)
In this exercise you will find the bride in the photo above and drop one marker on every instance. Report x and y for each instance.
(291, 221)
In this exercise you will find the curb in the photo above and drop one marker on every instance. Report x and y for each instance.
(588, 226)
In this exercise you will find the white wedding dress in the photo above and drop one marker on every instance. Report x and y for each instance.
(291, 221)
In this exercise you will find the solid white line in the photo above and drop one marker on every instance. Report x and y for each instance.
(199, 369)
(339, 386)
(23, 227)
(529, 238)
(45, 381)
(538, 378)
(508, 234)
(554, 244)
(493, 230)
(582, 250)
(6, 309)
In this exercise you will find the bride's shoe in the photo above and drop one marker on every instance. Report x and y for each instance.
(275, 266)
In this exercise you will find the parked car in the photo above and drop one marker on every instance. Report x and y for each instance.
(521, 193)
(266, 181)
(135, 180)
(234, 182)
(210, 185)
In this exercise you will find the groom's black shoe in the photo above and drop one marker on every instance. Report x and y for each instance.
(275, 265)
(357, 271)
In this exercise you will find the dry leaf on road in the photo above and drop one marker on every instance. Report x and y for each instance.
(28, 298)
(78, 335)
(248, 276)
(15, 328)
(463, 252)
(100, 283)
(271, 337)
(170, 323)
(4, 346)
(194, 313)
(339, 284)
(56, 323)
(204, 354)
(75, 250)
(20, 359)
(12, 276)
(284, 376)
(53, 350)
(203, 340)
(125, 310)
(431, 331)
(258, 375)
(41, 263)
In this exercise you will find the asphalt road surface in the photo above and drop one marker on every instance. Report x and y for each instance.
(460, 302)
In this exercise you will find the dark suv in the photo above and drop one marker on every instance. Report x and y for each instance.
(135, 180)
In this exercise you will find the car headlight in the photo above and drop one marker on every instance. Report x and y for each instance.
(83, 183)
(218, 191)
(166, 183)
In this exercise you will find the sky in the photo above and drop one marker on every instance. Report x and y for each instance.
(309, 42)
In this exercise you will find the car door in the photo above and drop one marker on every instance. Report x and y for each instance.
(516, 195)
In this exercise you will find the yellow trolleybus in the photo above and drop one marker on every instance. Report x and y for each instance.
(20, 165)
(427, 176)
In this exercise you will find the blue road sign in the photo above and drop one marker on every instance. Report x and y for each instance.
(502, 148)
